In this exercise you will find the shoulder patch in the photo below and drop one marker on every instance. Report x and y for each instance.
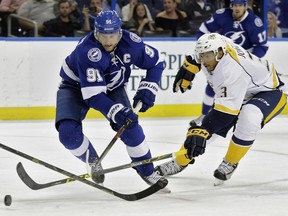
(220, 11)
(258, 22)
(94, 54)
(134, 37)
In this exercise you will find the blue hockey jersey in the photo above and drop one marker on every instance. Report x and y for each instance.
(249, 32)
(97, 71)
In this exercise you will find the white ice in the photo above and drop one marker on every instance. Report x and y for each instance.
(258, 187)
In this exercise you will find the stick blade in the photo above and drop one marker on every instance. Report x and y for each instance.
(25, 177)
(158, 186)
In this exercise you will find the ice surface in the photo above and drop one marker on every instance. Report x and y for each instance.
(258, 187)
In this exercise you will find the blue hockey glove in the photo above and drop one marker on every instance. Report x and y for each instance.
(119, 114)
(186, 74)
(195, 142)
(146, 93)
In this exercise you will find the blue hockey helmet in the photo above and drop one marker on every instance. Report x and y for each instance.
(238, 1)
(108, 22)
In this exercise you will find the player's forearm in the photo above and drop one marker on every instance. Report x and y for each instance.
(260, 51)
(154, 74)
(101, 103)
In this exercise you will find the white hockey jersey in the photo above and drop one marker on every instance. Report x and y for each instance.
(238, 76)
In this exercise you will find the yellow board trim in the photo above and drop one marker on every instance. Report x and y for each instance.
(163, 110)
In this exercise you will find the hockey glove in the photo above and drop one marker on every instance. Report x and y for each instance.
(118, 114)
(195, 142)
(146, 93)
(186, 74)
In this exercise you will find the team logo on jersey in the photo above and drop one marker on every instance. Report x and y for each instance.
(236, 37)
(116, 78)
(135, 37)
(258, 22)
(220, 11)
(94, 54)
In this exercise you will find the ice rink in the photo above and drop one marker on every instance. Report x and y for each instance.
(258, 187)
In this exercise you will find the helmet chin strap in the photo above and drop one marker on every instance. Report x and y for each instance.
(217, 53)
(216, 56)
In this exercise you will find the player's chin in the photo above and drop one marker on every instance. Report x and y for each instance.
(208, 68)
(109, 48)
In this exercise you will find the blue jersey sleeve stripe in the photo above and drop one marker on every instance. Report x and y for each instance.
(69, 72)
(88, 92)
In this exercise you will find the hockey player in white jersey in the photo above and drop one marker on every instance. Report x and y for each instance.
(240, 25)
(248, 94)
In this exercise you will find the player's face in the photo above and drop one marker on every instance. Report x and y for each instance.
(109, 41)
(238, 11)
(208, 60)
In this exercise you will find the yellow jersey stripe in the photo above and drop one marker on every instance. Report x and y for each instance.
(280, 105)
(275, 78)
(224, 109)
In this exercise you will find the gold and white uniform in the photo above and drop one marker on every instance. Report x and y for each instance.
(238, 76)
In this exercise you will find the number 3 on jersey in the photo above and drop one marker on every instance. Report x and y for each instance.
(93, 75)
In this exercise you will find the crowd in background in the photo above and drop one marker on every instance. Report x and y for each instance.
(174, 18)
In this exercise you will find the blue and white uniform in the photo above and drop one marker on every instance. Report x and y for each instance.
(95, 78)
(249, 32)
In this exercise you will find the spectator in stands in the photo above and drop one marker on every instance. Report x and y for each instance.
(280, 9)
(127, 11)
(171, 18)
(38, 11)
(273, 29)
(62, 25)
(199, 10)
(6, 8)
(139, 21)
(90, 13)
(75, 15)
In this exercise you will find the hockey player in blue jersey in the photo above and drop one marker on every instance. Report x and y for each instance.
(95, 75)
(243, 27)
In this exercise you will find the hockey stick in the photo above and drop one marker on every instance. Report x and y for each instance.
(36, 186)
(146, 161)
(117, 135)
(129, 197)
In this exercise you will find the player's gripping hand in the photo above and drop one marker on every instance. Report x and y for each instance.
(120, 115)
(195, 142)
(186, 74)
(146, 93)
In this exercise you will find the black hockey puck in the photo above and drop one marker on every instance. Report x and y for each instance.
(7, 200)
